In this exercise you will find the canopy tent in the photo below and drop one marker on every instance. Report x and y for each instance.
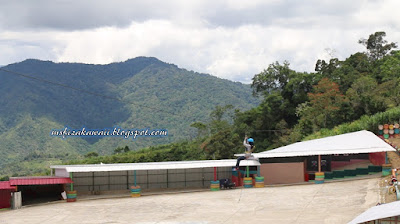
(350, 143)
(152, 165)
(378, 212)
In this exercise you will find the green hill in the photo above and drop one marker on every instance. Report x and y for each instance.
(152, 94)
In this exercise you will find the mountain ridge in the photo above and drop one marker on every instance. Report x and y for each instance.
(150, 93)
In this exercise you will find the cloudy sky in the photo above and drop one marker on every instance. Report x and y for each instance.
(232, 39)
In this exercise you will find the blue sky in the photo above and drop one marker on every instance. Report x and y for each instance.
(231, 39)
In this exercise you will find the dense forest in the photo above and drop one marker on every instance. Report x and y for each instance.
(339, 97)
(357, 93)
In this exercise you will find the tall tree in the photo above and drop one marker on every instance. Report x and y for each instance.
(324, 107)
(274, 78)
(390, 67)
(279, 83)
(377, 46)
(222, 145)
(365, 98)
(217, 122)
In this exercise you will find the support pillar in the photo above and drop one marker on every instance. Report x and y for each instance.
(71, 194)
(215, 184)
(319, 163)
(135, 190)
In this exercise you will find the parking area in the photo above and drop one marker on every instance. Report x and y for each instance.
(337, 202)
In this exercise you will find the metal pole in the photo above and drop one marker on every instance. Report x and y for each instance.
(92, 181)
(127, 179)
(72, 185)
(248, 171)
(134, 178)
(167, 178)
(215, 173)
(202, 175)
(319, 163)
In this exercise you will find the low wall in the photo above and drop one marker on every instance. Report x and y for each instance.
(282, 173)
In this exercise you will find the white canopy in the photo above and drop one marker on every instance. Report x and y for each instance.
(350, 143)
(154, 165)
(378, 212)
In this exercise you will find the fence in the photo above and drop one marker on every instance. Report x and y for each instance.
(148, 179)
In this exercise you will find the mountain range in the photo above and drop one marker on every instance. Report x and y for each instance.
(39, 96)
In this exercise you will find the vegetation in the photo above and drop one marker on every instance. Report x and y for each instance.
(151, 93)
(357, 93)
(338, 92)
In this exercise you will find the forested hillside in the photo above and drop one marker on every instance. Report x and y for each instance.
(38, 96)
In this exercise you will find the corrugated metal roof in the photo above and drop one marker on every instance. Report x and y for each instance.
(378, 212)
(155, 165)
(350, 143)
(15, 181)
(5, 185)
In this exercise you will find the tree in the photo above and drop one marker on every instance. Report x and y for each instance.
(91, 154)
(389, 93)
(201, 128)
(344, 73)
(365, 98)
(217, 122)
(279, 83)
(119, 150)
(326, 69)
(222, 145)
(275, 77)
(377, 46)
(326, 102)
(390, 68)
(126, 149)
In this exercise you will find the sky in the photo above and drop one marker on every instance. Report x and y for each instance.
(231, 39)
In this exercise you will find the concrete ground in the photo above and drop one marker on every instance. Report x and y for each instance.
(337, 202)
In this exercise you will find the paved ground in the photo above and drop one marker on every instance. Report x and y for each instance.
(337, 202)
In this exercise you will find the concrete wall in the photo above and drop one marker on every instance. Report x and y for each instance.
(282, 173)
(147, 179)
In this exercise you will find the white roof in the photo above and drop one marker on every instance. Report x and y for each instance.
(154, 165)
(378, 212)
(350, 143)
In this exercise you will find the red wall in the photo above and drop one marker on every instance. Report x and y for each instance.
(377, 158)
(5, 198)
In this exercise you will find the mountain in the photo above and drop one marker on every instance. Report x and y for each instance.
(143, 92)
